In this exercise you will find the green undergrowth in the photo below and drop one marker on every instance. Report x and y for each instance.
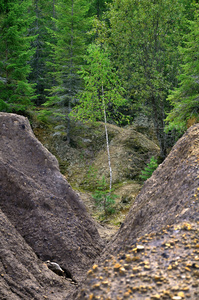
(149, 169)
(80, 169)
(104, 198)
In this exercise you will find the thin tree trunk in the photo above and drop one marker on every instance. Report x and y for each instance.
(36, 69)
(98, 9)
(6, 57)
(54, 15)
(158, 121)
(107, 141)
(71, 72)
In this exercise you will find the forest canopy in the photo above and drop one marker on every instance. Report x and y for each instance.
(152, 45)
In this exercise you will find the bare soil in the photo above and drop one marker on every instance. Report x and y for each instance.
(155, 253)
(45, 213)
(152, 253)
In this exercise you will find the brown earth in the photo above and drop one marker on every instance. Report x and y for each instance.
(22, 274)
(129, 151)
(170, 195)
(85, 161)
(155, 253)
(160, 265)
(38, 201)
(126, 194)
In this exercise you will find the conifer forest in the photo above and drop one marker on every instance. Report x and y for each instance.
(79, 58)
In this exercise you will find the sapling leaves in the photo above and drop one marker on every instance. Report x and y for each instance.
(149, 169)
(102, 89)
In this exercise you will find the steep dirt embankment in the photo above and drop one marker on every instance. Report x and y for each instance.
(84, 161)
(22, 274)
(171, 194)
(155, 254)
(40, 204)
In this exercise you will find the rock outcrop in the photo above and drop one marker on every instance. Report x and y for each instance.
(22, 274)
(85, 161)
(155, 254)
(170, 195)
(39, 202)
(129, 151)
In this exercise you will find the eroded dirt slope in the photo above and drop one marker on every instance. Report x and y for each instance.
(39, 202)
(84, 161)
(160, 265)
(155, 254)
(22, 274)
(170, 195)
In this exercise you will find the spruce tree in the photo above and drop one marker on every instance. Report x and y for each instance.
(16, 93)
(39, 69)
(98, 7)
(149, 169)
(67, 53)
(185, 98)
(143, 38)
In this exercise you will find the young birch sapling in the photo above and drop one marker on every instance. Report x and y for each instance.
(102, 90)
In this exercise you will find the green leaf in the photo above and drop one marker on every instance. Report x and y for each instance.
(149, 169)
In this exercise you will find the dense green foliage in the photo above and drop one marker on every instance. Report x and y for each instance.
(16, 93)
(143, 37)
(152, 47)
(149, 169)
(104, 199)
(67, 48)
(98, 7)
(42, 51)
(103, 91)
(185, 98)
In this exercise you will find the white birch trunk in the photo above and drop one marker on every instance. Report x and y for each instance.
(107, 141)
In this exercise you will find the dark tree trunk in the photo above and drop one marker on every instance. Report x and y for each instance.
(158, 116)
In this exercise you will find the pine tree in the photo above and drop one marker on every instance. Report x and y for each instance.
(185, 98)
(67, 55)
(98, 7)
(143, 38)
(16, 93)
(149, 169)
(39, 74)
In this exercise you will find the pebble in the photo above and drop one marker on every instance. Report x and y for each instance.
(128, 258)
(96, 286)
(155, 297)
(122, 271)
(95, 268)
(105, 282)
(127, 266)
(140, 247)
(117, 267)
(150, 272)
